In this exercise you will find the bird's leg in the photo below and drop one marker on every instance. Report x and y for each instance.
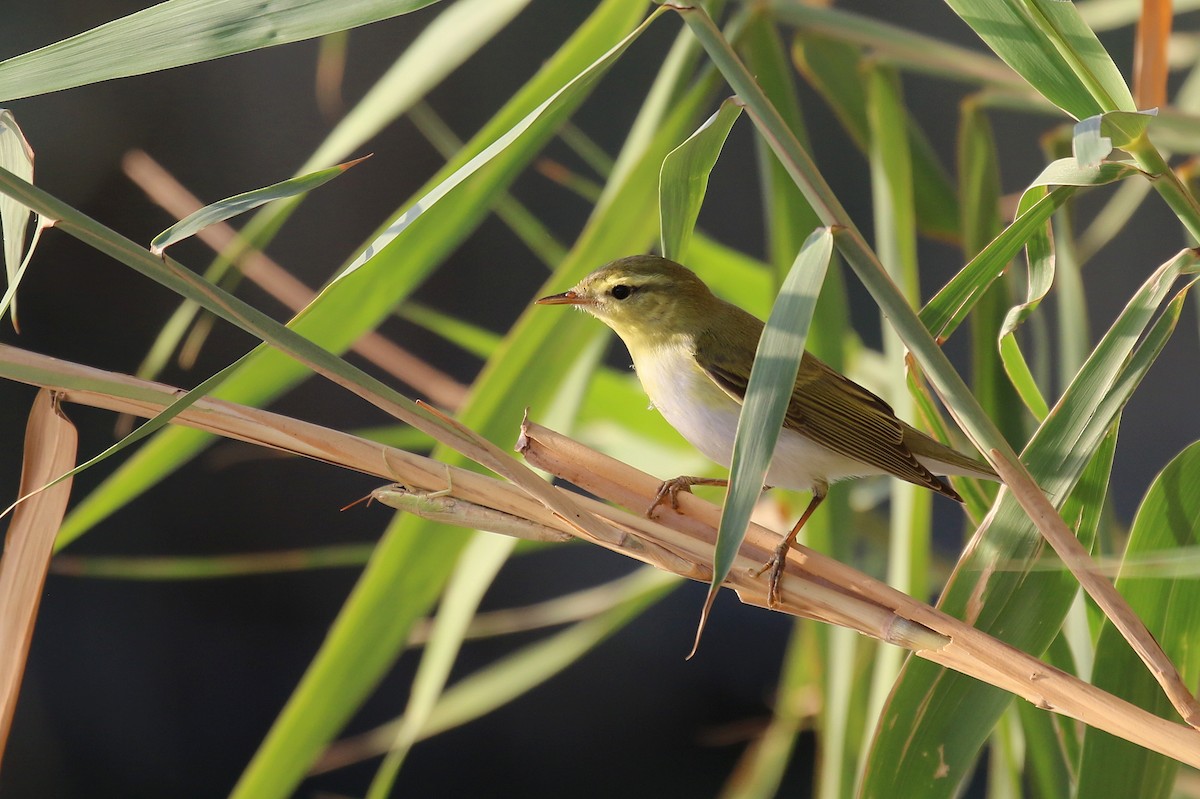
(779, 558)
(671, 488)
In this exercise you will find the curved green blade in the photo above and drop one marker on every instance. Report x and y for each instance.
(684, 179)
(180, 32)
(772, 378)
(230, 207)
(17, 157)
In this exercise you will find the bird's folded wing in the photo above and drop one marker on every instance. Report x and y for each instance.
(839, 414)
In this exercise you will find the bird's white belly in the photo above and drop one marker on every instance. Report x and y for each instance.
(707, 417)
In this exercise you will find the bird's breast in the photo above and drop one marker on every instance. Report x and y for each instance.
(689, 400)
(708, 417)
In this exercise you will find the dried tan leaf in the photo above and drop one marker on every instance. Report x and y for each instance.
(50, 446)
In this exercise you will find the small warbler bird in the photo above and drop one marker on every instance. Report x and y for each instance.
(693, 352)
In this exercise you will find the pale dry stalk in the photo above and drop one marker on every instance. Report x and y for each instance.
(814, 586)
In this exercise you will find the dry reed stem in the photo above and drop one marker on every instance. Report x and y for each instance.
(1100, 589)
(814, 586)
(966, 650)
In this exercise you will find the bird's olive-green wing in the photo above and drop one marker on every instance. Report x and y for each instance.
(833, 411)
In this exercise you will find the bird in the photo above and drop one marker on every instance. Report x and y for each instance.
(692, 352)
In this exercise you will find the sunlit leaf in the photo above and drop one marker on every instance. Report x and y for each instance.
(683, 180)
(230, 207)
(180, 32)
(1048, 43)
(768, 394)
(17, 157)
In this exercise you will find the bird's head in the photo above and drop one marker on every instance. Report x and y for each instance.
(644, 298)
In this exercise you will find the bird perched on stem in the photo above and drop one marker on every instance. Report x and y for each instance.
(693, 352)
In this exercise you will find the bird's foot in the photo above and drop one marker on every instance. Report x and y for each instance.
(774, 570)
(671, 488)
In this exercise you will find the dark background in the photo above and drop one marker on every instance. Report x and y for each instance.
(165, 689)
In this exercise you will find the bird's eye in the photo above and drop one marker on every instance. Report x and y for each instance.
(621, 292)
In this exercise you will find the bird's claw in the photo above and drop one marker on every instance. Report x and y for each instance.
(774, 569)
(669, 488)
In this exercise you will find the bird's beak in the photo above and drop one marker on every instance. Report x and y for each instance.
(566, 298)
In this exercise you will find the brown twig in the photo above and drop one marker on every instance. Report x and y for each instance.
(1100, 589)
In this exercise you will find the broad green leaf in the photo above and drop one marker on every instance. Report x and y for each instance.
(833, 69)
(349, 308)
(683, 180)
(732, 275)
(768, 393)
(1082, 53)
(179, 32)
(563, 99)
(520, 220)
(1169, 517)
(1048, 44)
(17, 157)
(230, 207)
(788, 215)
(925, 746)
